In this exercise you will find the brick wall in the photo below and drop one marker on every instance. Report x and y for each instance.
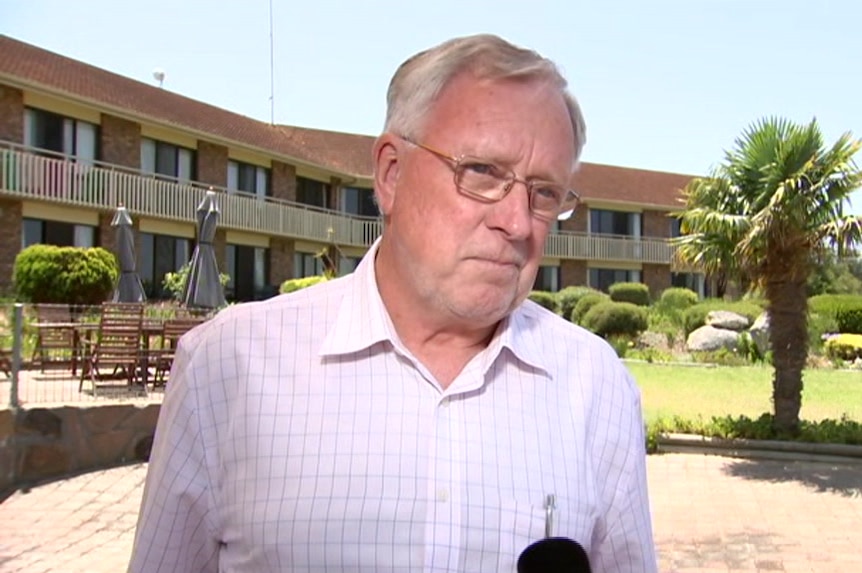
(10, 239)
(284, 181)
(577, 223)
(280, 260)
(11, 114)
(656, 277)
(212, 164)
(120, 141)
(656, 224)
(573, 273)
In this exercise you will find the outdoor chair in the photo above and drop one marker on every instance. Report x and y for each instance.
(5, 362)
(116, 350)
(164, 357)
(56, 341)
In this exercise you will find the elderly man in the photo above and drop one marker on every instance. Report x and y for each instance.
(419, 414)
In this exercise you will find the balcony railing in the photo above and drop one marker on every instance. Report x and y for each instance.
(27, 174)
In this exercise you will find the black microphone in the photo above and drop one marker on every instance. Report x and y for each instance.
(554, 555)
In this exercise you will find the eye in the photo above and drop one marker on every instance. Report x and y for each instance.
(548, 193)
(476, 167)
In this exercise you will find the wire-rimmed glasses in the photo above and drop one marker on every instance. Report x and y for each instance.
(486, 181)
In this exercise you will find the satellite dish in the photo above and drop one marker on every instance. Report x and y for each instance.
(159, 75)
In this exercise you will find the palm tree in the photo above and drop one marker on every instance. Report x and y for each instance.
(776, 200)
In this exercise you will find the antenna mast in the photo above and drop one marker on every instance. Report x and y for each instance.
(271, 69)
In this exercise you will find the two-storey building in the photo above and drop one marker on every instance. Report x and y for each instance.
(76, 141)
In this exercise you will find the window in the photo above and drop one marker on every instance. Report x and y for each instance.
(248, 178)
(54, 132)
(347, 265)
(160, 158)
(548, 279)
(358, 201)
(36, 231)
(312, 192)
(602, 279)
(307, 265)
(675, 227)
(692, 281)
(604, 222)
(159, 255)
(248, 268)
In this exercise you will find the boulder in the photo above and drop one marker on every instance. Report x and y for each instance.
(727, 320)
(712, 338)
(759, 332)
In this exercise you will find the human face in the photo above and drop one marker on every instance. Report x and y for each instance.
(457, 257)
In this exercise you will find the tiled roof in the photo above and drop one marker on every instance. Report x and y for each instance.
(343, 153)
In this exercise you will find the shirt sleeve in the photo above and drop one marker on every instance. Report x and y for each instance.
(625, 543)
(175, 530)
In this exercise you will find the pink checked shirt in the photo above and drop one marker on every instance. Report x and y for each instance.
(299, 435)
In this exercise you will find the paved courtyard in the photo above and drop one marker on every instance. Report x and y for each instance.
(711, 514)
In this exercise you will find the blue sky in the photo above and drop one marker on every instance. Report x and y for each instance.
(665, 84)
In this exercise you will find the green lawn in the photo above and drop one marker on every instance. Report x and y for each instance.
(696, 391)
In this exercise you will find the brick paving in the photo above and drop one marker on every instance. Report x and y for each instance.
(712, 514)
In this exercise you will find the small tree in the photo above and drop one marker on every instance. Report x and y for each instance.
(66, 275)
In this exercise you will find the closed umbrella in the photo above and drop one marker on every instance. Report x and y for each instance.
(203, 288)
(129, 287)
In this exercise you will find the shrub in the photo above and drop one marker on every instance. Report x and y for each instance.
(849, 320)
(569, 297)
(635, 293)
(611, 318)
(65, 275)
(695, 317)
(544, 299)
(292, 285)
(831, 304)
(818, 326)
(844, 346)
(175, 283)
(621, 344)
(585, 304)
(677, 298)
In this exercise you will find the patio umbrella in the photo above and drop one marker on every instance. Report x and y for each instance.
(203, 288)
(129, 287)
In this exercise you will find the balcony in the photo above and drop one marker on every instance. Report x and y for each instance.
(27, 175)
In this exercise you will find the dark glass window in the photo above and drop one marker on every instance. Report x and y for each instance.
(311, 192)
(57, 233)
(605, 222)
(358, 201)
(602, 279)
(157, 256)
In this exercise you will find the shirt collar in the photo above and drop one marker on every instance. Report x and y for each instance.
(363, 321)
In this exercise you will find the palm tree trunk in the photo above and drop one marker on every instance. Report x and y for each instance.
(788, 317)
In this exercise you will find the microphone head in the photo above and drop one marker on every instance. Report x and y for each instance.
(554, 555)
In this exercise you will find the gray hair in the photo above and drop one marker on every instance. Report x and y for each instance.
(418, 81)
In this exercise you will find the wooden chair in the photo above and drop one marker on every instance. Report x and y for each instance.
(56, 343)
(174, 329)
(117, 346)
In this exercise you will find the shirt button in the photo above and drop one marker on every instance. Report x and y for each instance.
(443, 494)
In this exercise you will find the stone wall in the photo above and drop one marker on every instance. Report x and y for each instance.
(43, 443)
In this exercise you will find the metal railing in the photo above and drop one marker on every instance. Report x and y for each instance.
(33, 174)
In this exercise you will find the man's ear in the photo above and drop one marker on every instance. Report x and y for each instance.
(386, 168)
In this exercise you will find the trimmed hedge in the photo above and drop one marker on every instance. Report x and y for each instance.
(585, 304)
(635, 293)
(569, 297)
(677, 298)
(293, 285)
(65, 275)
(545, 299)
(608, 319)
(844, 309)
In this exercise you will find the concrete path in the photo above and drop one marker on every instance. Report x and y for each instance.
(711, 515)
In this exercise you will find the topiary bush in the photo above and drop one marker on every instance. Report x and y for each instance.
(611, 318)
(569, 297)
(65, 275)
(676, 298)
(585, 304)
(544, 299)
(695, 316)
(635, 293)
(849, 320)
(844, 347)
(292, 285)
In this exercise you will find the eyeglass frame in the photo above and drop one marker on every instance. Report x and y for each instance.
(457, 161)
